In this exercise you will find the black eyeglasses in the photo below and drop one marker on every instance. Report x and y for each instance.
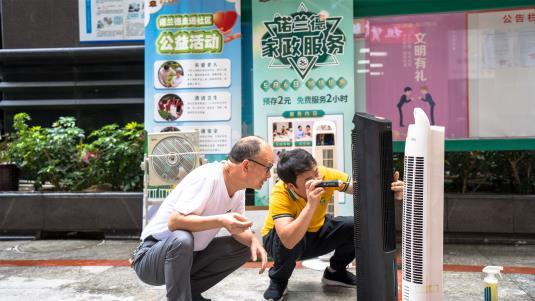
(268, 168)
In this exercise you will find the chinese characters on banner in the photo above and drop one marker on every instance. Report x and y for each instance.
(193, 71)
(303, 79)
(420, 59)
(416, 61)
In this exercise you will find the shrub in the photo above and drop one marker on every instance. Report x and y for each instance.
(486, 171)
(48, 154)
(59, 154)
(114, 156)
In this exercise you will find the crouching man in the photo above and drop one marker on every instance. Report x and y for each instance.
(179, 248)
(297, 226)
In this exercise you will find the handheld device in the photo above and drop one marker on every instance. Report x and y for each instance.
(333, 183)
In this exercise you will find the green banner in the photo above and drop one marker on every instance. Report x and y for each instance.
(303, 80)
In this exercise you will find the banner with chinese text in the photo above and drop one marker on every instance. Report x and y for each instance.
(416, 61)
(193, 71)
(303, 80)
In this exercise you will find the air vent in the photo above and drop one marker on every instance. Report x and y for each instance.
(423, 203)
(373, 201)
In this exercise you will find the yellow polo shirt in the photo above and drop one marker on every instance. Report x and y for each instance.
(284, 203)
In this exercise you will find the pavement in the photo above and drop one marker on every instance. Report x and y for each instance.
(98, 270)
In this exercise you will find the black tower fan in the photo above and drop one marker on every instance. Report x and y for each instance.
(373, 203)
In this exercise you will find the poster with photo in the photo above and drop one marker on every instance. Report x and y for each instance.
(193, 71)
(416, 61)
(206, 106)
(303, 71)
(321, 137)
(111, 20)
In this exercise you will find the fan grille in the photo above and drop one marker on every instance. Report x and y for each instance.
(413, 223)
(173, 158)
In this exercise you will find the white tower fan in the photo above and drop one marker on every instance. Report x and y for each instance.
(423, 211)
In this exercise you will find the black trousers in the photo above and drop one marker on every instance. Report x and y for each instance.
(400, 115)
(432, 105)
(335, 234)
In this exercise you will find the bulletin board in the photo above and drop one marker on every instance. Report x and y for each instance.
(477, 67)
(501, 64)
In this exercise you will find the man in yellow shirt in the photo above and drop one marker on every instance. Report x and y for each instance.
(297, 226)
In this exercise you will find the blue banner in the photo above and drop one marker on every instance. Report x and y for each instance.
(193, 71)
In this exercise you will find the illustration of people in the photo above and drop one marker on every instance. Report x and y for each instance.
(325, 139)
(426, 96)
(166, 75)
(275, 133)
(320, 139)
(172, 110)
(170, 107)
(179, 107)
(299, 133)
(178, 77)
(308, 130)
(283, 133)
(405, 98)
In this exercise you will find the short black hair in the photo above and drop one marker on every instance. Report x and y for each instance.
(245, 148)
(407, 89)
(293, 163)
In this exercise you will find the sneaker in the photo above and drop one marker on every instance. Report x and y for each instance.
(276, 291)
(339, 278)
(199, 298)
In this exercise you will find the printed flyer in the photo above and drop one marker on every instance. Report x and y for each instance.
(111, 20)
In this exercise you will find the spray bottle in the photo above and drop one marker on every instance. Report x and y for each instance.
(490, 292)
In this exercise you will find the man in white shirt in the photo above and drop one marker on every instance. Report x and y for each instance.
(179, 248)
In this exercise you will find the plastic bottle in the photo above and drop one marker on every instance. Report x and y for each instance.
(490, 292)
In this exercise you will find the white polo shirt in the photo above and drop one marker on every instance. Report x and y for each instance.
(202, 192)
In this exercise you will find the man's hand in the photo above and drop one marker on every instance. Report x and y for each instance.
(397, 187)
(258, 251)
(235, 223)
(313, 193)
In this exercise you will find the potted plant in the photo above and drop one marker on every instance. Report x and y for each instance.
(9, 172)
(112, 157)
(68, 162)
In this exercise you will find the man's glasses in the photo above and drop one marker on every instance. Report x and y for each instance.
(268, 168)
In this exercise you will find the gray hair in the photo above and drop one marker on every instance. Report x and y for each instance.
(245, 148)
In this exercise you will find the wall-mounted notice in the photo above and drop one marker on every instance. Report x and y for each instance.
(111, 20)
(501, 64)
